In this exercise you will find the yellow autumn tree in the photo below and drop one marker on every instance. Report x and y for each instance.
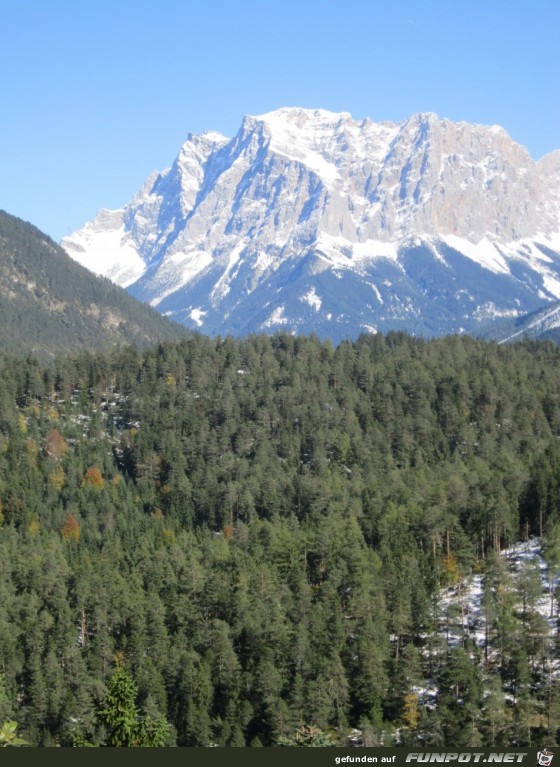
(450, 570)
(57, 478)
(410, 712)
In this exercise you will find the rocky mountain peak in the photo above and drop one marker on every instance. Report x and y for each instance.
(239, 230)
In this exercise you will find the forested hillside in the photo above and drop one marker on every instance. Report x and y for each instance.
(50, 304)
(253, 542)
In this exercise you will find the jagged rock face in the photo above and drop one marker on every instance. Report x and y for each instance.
(311, 221)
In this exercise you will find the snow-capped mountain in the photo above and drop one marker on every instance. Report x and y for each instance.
(311, 221)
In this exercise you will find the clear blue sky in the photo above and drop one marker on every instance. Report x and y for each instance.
(95, 94)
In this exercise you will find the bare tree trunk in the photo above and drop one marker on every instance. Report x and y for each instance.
(83, 629)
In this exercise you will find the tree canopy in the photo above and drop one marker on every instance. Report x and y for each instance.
(260, 531)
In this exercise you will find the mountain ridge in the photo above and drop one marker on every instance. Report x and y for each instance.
(49, 303)
(313, 203)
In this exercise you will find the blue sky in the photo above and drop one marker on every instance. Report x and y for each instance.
(95, 94)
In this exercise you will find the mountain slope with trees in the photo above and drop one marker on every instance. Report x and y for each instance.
(49, 303)
(245, 542)
(543, 325)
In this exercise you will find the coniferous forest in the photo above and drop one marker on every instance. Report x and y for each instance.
(220, 542)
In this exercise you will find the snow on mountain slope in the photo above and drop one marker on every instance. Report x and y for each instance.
(462, 611)
(426, 225)
(464, 620)
(542, 324)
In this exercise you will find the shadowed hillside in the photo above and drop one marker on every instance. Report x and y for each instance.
(49, 303)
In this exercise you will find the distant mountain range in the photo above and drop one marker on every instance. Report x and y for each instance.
(543, 324)
(50, 304)
(309, 221)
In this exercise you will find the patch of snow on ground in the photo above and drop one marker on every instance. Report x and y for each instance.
(197, 315)
(276, 318)
(341, 253)
(263, 262)
(110, 253)
(552, 285)
(221, 288)
(461, 610)
(431, 244)
(376, 291)
(312, 299)
(483, 253)
(490, 310)
(551, 241)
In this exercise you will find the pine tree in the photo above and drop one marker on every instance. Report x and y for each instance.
(125, 724)
(119, 712)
